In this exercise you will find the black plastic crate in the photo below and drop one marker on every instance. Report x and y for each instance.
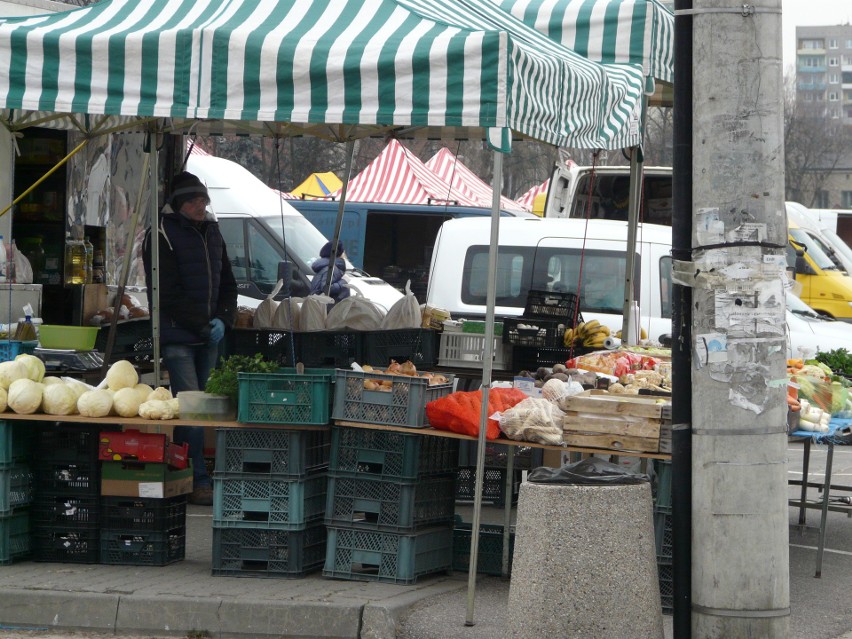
(376, 504)
(275, 345)
(553, 305)
(266, 552)
(17, 484)
(333, 349)
(490, 548)
(521, 331)
(64, 545)
(664, 570)
(132, 341)
(394, 557)
(663, 535)
(271, 452)
(493, 485)
(390, 455)
(142, 548)
(15, 537)
(140, 513)
(68, 442)
(531, 357)
(66, 511)
(663, 496)
(67, 478)
(16, 443)
(420, 345)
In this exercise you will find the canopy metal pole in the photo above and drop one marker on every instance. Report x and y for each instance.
(338, 223)
(154, 166)
(487, 360)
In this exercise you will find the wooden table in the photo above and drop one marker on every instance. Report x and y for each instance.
(115, 420)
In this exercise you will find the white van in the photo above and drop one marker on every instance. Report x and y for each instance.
(262, 231)
(546, 254)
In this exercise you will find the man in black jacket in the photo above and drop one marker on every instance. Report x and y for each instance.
(198, 301)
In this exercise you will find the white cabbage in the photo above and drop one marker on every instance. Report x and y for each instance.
(59, 399)
(122, 374)
(11, 371)
(35, 367)
(3, 399)
(77, 386)
(47, 381)
(95, 403)
(144, 390)
(126, 402)
(24, 396)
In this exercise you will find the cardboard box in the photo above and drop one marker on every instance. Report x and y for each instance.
(133, 445)
(144, 479)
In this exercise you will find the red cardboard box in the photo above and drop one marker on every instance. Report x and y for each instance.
(133, 445)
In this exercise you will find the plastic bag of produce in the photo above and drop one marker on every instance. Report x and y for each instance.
(288, 315)
(355, 312)
(533, 420)
(264, 314)
(314, 312)
(405, 313)
(459, 412)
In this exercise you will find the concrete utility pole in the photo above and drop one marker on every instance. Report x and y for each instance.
(740, 568)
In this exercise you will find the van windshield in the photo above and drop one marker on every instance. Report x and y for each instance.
(302, 238)
(818, 256)
(558, 269)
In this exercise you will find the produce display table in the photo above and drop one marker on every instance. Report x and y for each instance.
(840, 432)
(136, 422)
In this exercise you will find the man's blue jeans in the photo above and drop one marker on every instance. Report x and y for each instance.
(189, 367)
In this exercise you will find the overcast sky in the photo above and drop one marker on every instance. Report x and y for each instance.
(810, 13)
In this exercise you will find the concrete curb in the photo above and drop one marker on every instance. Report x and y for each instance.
(381, 620)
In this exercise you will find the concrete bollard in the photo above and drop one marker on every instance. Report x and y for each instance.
(584, 563)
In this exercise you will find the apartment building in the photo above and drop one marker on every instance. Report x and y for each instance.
(824, 70)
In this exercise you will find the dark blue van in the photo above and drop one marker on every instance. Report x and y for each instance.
(391, 241)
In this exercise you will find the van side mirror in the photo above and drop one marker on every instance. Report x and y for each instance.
(802, 266)
(292, 282)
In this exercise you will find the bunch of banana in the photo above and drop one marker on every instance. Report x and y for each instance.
(589, 334)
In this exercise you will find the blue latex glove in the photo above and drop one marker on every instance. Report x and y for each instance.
(217, 330)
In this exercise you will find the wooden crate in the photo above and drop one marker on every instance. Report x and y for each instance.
(622, 423)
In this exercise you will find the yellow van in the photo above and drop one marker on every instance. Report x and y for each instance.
(825, 287)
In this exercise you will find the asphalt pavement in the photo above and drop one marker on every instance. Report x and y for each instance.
(84, 601)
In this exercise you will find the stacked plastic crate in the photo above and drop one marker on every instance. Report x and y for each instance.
(269, 484)
(391, 505)
(663, 533)
(16, 491)
(66, 507)
(141, 530)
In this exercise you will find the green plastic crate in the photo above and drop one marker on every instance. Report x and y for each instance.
(271, 451)
(252, 502)
(476, 326)
(256, 552)
(376, 504)
(16, 443)
(400, 558)
(285, 397)
(490, 558)
(15, 537)
(389, 455)
(16, 487)
(403, 405)
(663, 498)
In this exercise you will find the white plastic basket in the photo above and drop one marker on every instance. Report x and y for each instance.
(465, 350)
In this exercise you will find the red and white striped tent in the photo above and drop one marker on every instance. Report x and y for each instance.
(448, 167)
(527, 200)
(397, 176)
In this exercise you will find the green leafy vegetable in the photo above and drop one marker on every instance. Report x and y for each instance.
(838, 360)
(223, 378)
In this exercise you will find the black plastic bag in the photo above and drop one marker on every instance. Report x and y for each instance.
(591, 471)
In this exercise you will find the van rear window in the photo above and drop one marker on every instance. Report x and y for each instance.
(598, 275)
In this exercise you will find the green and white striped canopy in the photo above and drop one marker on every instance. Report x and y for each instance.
(607, 31)
(338, 69)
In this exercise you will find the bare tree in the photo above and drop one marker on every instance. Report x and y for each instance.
(814, 146)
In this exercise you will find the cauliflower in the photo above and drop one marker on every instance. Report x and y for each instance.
(59, 399)
(24, 396)
(122, 374)
(161, 393)
(156, 409)
(95, 403)
(126, 402)
(35, 367)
